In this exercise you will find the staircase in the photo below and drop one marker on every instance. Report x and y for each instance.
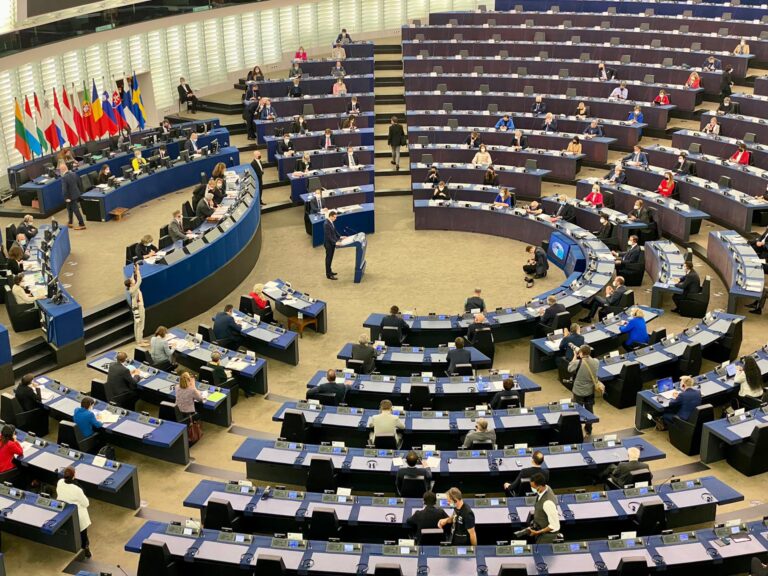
(107, 327)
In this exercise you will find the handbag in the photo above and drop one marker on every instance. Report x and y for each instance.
(599, 386)
(194, 431)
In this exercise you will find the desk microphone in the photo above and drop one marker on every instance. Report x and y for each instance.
(349, 231)
(667, 481)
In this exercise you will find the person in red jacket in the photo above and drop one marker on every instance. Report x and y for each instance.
(662, 99)
(694, 80)
(261, 307)
(301, 54)
(741, 156)
(667, 186)
(595, 197)
(9, 448)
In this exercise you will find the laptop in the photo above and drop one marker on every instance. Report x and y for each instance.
(665, 385)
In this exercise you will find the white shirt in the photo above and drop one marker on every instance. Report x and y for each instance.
(550, 509)
(351, 160)
(744, 389)
(619, 92)
(73, 494)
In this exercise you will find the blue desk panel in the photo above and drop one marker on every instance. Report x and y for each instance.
(361, 218)
(316, 139)
(340, 177)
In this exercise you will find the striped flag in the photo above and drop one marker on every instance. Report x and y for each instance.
(90, 127)
(128, 111)
(109, 119)
(58, 120)
(40, 125)
(29, 128)
(137, 104)
(69, 119)
(21, 135)
(49, 127)
(97, 113)
(77, 116)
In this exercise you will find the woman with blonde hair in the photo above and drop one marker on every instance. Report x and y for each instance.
(339, 88)
(260, 303)
(187, 393)
(636, 330)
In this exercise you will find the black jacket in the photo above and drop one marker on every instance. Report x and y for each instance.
(641, 215)
(522, 142)
(474, 303)
(690, 283)
(396, 321)
(686, 167)
(426, 518)
(396, 135)
(566, 212)
(412, 472)
(621, 473)
(119, 380)
(328, 388)
(457, 356)
(202, 210)
(473, 329)
(27, 398)
(610, 73)
(551, 312)
(631, 256)
(71, 186)
(525, 474)
(365, 353)
(331, 234)
(620, 179)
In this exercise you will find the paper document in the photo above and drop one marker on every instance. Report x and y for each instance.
(216, 396)
(106, 417)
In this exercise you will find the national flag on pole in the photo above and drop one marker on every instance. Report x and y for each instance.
(128, 111)
(137, 104)
(51, 133)
(30, 130)
(88, 123)
(97, 112)
(40, 125)
(21, 135)
(69, 119)
(58, 120)
(117, 106)
(109, 118)
(77, 116)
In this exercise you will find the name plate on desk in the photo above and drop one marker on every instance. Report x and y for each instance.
(513, 550)
(472, 454)
(338, 499)
(378, 453)
(11, 492)
(333, 450)
(234, 537)
(179, 530)
(343, 548)
(487, 502)
(639, 491)
(570, 547)
(348, 410)
(457, 551)
(564, 448)
(151, 420)
(69, 453)
(512, 452)
(392, 550)
(626, 543)
(591, 496)
(606, 443)
(685, 485)
(387, 501)
(434, 414)
(239, 489)
(283, 445)
(681, 538)
(291, 544)
(288, 494)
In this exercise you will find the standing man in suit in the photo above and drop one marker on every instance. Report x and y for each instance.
(458, 355)
(395, 319)
(475, 302)
(121, 382)
(682, 405)
(637, 157)
(628, 258)
(259, 171)
(395, 139)
(365, 352)
(332, 239)
(537, 265)
(187, 95)
(689, 284)
(613, 294)
(565, 211)
(537, 460)
(72, 188)
(226, 330)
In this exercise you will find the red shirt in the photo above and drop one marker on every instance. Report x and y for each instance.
(594, 198)
(662, 100)
(300, 56)
(666, 188)
(260, 302)
(7, 452)
(741, 157)
(694, 83)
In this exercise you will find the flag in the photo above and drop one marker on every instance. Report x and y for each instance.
(49, 127)
(130, 118)
(117, 106)
(109, 118)
(40, 125)
(90, 128)
(69, 119)
(77, 116)
(21, 135)
(97, 113)
(31, 131)
(58, 120)
(137, 104)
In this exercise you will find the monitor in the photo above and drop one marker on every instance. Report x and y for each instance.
(665, 385)
(558, 249)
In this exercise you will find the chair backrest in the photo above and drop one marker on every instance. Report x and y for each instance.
(413, 487)
(649, 79)
(484, 88)
(431, 536)
(657, 336)
(626, 59)
(219, 514)
(141, 355)
(448, 106)
(427, 159)
(531, 165)
(509, 402)
(695, 46)
(422, 140)
(99, 389)
(569, 429)
(478, 70)
(453, 124)
(324, 524)
(522, 70)
(294, 428)
(615, 41)
(308, 110)
(539, 37)
(327, 399)
(463, 369)
(419, 397)
(701, 415)
(644, 26)
(386, 441)
(206, 332)
(493, 108)
(155, 560)
(206, 374)
(528, 90)
(270, 565)
(69, 435)
(585, 56)
(357, 366)
(169, 411)
(684, 29)
(321, 475)
(656, 43)
(392, 335)
(690, 361)
(562, 320)
(627, 299)
(543, 54)
(513, 570)
(749, 137)
(130, 252)
(390, 569)
(442, 87)
(640, 475)
(650, 519)
(483, 445)
(633, 566)
(564, 73)
(570, 92)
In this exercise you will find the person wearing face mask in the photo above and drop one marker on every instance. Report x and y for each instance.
(205, 208)
(295, 90)
(629, 258)
(662, 99)
(639, 213)
(267, 111)
(742, 47)
(683, 166)
(176, 227)
(21, 243)
(504, 199)
(121, 382)
(741, 156)
(473, 140)
(604, 73)
(593, 130)
(304, 164)
(605, 233)
(138, 161)
(219, 192)
(545, 525)
(637, 157)
(726, 107)
(299, 125)
(519, 141)
(565, 211)
(616, 176)
(433, 177)
(636, 116)
(462, 520)
(636, 330)
(613, 294)
(689, 284)
(595, 197)
(482, 157)
(574, 146)
(667, 186)
(440, 192)
(550, 124)
(145, 249)
(539, 107)
(104, 174)
(285, 146)
(620, 92)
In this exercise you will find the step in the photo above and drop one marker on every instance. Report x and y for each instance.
(109, 341)
(105, 323)
(104, 309)
(387, 49)
(388, 65)
(29, 349)
(44, 360)
(389, 99)
(389, 81)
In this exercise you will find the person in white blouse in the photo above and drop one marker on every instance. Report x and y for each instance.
(19, 293)
(712, 128)
(482, 157)
(620, 92)
(68, 491)
(749, 378)
(385, 423)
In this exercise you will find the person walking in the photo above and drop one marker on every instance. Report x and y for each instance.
(395, 139)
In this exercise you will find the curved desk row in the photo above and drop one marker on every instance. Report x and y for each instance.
(719, 146)
(444, 429)
(726, 206)
(340, 197)
(602, 337)
(316, 139)
(49, 194)
(266, 129)
(367, 519)
(287, 107)
(316, 85)
(206, 270)
(719, 436)
(459, 191)
(738, 125)
(761, 85)
(560, 165)
(322, 159)
(751, 104)
(338, 177)
(664, 263)
(404, 360)
(684, 99)
(584, 68)
(292, 303)
(226, 554)
(446, 393)
(268, 340)
(133, 431)
(618, 133)
(593, 149)
(527, 183)
(470, 470)
(673, 218)
(600, 18)
(98, 203)
(737, 264)
(322, 66)
(656, 117)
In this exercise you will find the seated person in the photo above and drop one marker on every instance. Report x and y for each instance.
(639, 212)
(285, 146)
(604, 73)
(711, 64)
(515, 488)
(395, 319)
(662, 99)
(479, 323)
(458, 355)
(636, 330)
(504, 199)
(433, 177)
(571, 341)
(413, 470)
(519, 141)
(726, 107)
(10, 449)
(553, 308)
(86, 420)
(338, 70)
(490, 178)
(694, 81)
(605, 233)
(160, 352)
(534, 208)
(303, 164)
(505, 124)
(741, 156)
(549, 124)
(539, 107)
(689, 284)
(667, 186)
(684, 402)
(613, 294)
(636, 116)
(28, 394)
(595, 196)
(385, 424)
(742, 47)
(749, 377)
(316, 203)
(629, 258)
(294, 91)
(538, 264)
(712, 127)
(594, 129)
(205, 208)
(473, 140)
(138, 161)
(440, 192)
(621, 474)
(481, 433)
(482, 157)
(27, 225)
(121, 382)
(326, 140)
(637, 157)
(20, 294)
(363, 351)
(620, 92)
(582, 110)
(295, 70)
(145, 249)
(574, 146)
(507, 391)
(349, 123)
(260, 303)
(338, 52)
(564, 210)
(427, 517)
(353, 108)
(349, 158)
(339, 87)
(299, 125)
(268, 112)
(330, 386)
(616, 176)
(104, 174)
(475, 302)
(683, 165)
(226, 330)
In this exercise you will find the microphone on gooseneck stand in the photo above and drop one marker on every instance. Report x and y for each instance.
(667, 481)
(349, 231)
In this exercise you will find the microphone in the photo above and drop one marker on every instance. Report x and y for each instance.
(349, 231)
(667, 481)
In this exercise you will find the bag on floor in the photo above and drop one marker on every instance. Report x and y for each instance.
(194, 431)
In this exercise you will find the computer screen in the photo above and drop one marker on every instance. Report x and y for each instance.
(665, 384)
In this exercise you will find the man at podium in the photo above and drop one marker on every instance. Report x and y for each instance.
(332, 239)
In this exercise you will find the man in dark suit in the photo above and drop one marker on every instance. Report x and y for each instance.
(395, 139)
(682, 405)
(365, 352)
(616, 176)
(564, 211)
(760, 244)
(205, 208)
(27, 227)
(343, 37)
(226, 330)
(629, 258)
(473, 140)
(572, 339)
(604, 73)
(507, 391)
(353, 108)
(191, 144)
(537, 262)
(475, 302)
(594, 129)
(258, 169)
(330, 386)
(316, 202)
(121, 382)
(411, 470)
(621, 474)
(72, 188)
(28, 394)
(537, 459)
(689, 284)
(539, 107)
(613, 294)
(639, 212)
(711, 64)
(394, 319)
(519, 140)
(553, 308)
(475, 327)
(683, 165)
(326, 140)
(637, 157)
(187, 95)
(332, 239)
(285, 145)
(458, 355)
(428, 517)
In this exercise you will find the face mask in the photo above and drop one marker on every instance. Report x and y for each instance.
(637, 207)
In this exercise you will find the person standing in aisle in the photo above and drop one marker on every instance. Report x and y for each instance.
(395, 139)
(136, 302)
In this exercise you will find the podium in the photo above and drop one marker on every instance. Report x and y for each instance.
(360, 242)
